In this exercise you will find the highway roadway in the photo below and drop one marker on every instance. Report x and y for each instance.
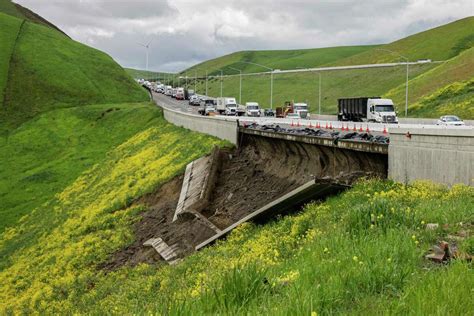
(374, 128)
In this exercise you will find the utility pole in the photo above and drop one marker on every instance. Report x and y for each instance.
(195, 78)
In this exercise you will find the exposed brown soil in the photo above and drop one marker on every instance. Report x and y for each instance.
(249, 178)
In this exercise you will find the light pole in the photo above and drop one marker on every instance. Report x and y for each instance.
(271, 78)
(222, 74)
(195, 78)
(406, 79)
(319, 94)
(240, 84)
(206, 82)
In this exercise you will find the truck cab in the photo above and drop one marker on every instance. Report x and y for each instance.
(381, 111)
(180, 93)
(227, 106)
(252, 109)
(301, 109)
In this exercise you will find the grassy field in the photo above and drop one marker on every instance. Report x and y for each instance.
(56, 72)
(358, 253)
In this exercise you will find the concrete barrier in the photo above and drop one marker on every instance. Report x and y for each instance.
(216, 126)
(441, 155)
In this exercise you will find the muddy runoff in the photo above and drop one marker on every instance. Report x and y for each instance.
(260, 171)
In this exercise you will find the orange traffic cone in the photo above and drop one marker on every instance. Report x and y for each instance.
(342, 127)
(385, 130)
(292, 124)
(360, 129)
(355, 128)
(327, 125)
(367, 130)
(330, 125)
(298, 123)
(318, 125)
(310, 125)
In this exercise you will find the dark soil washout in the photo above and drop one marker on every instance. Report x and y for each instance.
(261, 171)
(156, 221)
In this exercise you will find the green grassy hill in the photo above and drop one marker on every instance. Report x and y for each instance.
(451, 43)
(277, 59)
(143, 74)
(42, 69)
(440, 43)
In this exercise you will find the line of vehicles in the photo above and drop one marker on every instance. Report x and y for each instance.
(359, 109)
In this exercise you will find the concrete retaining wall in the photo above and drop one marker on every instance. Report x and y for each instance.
(444, 156)
(216, 126)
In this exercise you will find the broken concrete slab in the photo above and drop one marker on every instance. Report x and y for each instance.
(168, 253)
(312, 190)
(199, 180)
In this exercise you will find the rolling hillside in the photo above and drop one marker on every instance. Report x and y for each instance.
(79, 157)
(56, 72)
(277, 59)
(450, 43)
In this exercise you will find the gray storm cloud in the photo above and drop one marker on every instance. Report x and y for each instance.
(185, 32)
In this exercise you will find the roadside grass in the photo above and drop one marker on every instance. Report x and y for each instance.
(52, 253)
(303, 87)
(456, 98)
(50, 71)
(46, 154)
(10, 28)
(357, 253)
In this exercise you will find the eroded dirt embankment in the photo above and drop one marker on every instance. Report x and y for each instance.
(260, 171)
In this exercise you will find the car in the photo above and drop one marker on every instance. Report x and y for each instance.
(268, 112)
(450, 120)
(194, 100)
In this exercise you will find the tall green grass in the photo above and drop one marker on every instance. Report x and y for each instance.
(358, 253)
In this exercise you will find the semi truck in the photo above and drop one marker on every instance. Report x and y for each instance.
(228, 106)
(299, 110)
(366, 109)
(252, 109)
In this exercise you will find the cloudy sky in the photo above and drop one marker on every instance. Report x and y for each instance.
(184, 32)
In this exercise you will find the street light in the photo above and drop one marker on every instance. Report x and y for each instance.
(271, 78)
(206, 82)
(195, 78)
(240, 84)
(406, 81)
(222, 74)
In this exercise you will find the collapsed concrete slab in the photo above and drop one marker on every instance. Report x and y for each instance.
(168, 253)
(310, 191)
(199, 180)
